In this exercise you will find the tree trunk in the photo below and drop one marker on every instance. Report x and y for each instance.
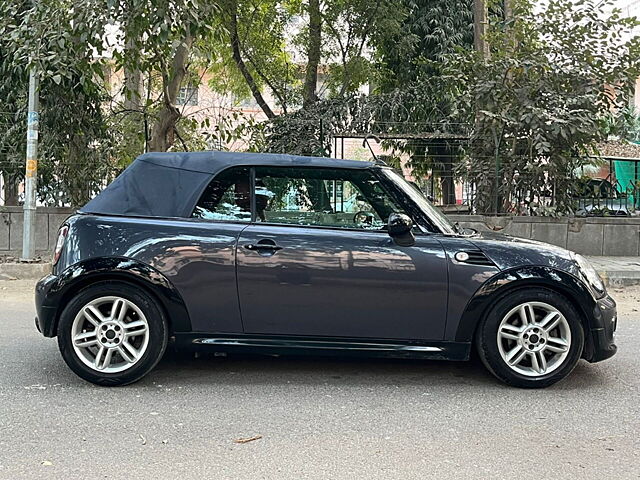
(508, 9)
(480, 23)
(313, 54)
(237, 58)
(448, 183)
(509, 19)
(132, 76)
(132, 84)
(485, 190)
(441, 154)
(11, 186)
(163, 130)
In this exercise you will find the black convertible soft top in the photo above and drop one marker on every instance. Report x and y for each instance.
(170, 184)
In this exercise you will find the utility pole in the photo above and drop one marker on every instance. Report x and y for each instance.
(31, 172)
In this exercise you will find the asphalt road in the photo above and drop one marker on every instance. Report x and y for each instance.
(317, 418)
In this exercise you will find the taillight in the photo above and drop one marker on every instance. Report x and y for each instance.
(62, 236)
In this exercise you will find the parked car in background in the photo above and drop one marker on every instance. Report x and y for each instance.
(598, 197)
(286, 254)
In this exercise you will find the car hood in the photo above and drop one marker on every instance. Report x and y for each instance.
(509, 252)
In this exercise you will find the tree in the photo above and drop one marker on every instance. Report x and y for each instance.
(351, 30)
(333, 35)
(159, 37)
(66, 42)
(245, 43)
(417, 47)
(413, 57)
(59, 41)
(550, 80)
(313, 46)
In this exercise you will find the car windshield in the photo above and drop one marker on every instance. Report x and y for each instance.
(436, 216)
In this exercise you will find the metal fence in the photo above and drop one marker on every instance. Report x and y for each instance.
(605, 187)
(603, 192)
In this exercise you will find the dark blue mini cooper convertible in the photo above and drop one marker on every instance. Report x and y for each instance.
(284, 254)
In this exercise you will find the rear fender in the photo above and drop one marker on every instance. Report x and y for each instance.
(90, 271)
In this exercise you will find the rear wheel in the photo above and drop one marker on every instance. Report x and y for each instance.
(112, 333)
(531, 338)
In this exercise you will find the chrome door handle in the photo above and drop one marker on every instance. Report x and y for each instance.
(263, 247)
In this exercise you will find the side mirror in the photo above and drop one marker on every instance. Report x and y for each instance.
(399, 227)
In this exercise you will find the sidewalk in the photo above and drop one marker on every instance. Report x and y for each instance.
(615, 271)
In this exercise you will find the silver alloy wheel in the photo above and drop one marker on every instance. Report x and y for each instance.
(110, 334)
(534, 339)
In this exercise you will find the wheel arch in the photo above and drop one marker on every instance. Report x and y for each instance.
(125, 270)
(508, 281)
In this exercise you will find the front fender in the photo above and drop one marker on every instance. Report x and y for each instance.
(522, 277)
(54, 292)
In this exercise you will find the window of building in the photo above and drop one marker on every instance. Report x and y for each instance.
(187, 95)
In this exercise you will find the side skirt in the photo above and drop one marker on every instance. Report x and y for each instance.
(283, 345)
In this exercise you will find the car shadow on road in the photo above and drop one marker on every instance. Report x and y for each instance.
(187, 368)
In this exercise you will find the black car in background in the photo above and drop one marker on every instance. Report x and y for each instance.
(285, 254)
(598, 197)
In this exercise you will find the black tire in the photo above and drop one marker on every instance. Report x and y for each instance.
(487, 342)
(157, 325)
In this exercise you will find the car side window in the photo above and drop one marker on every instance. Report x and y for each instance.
(227, 197)
(339, 198)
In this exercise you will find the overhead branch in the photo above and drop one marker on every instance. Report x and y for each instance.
(237, 58)
(281, 98)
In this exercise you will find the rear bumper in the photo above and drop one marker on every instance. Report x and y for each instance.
(601, 342)
(46, 313)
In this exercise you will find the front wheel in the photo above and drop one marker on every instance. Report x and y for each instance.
(112, 333)
(531, 338)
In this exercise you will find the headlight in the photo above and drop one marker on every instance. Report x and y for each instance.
(590, 274)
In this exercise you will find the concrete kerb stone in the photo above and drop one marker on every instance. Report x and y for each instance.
(24, 271)
(624, 278)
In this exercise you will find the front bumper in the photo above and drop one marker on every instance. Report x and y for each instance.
(46, 313)
(603, 323)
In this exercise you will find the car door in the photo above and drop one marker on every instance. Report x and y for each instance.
(317, 261)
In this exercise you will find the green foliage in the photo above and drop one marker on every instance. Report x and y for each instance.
(59, 41)
(275, 57)
(262, 26)
(350, 29)
(236, 130)
(82, 143)
(412, 56)
(418, 39)
(623, 124)
(153, 30)
(555, 83)
(54, 36)
(539, 99)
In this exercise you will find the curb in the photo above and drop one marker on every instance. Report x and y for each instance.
(24, 271)
(624, 278)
